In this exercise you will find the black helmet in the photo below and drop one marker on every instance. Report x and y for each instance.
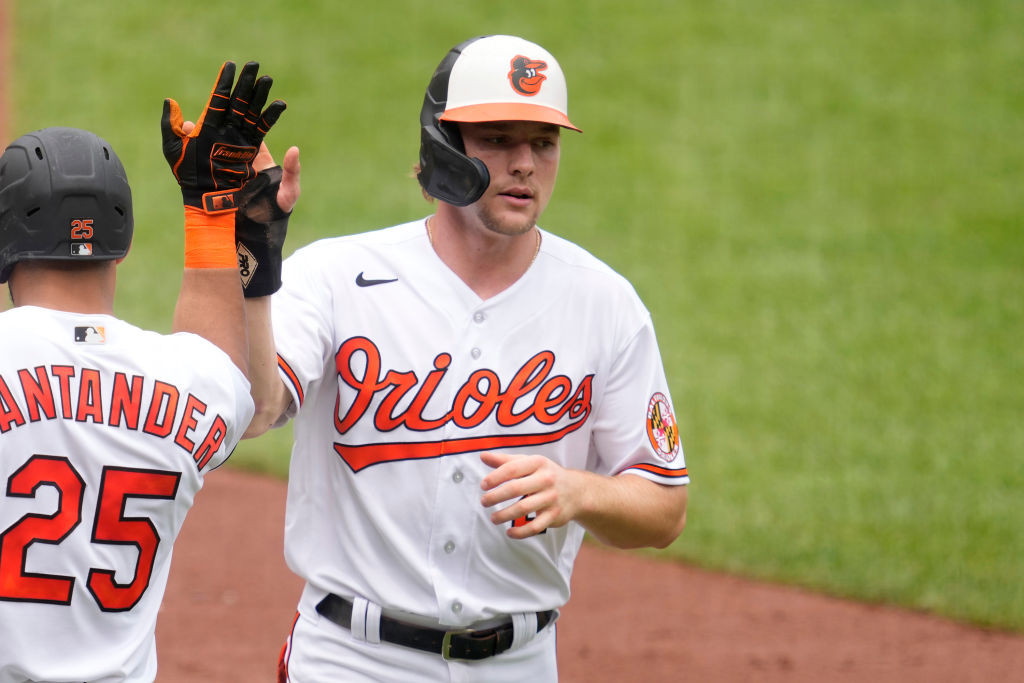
(446, 173)
(64, 195)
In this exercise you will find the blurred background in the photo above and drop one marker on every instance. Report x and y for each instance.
(820, 202)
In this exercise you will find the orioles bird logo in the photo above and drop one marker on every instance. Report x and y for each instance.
(525, 75)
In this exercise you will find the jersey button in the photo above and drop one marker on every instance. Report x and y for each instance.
(475, 353)
(449, 547)
(479, 317)
(456, 606)
(458, 476)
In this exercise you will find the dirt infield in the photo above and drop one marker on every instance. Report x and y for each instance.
(230, 600)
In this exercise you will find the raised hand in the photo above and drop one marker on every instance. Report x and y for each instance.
(212, 160)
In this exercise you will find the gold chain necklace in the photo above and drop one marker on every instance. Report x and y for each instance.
(536, 250)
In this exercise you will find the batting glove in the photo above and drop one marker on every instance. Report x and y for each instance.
(215, 159)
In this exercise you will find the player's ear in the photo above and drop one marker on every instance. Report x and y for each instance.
(126, 252)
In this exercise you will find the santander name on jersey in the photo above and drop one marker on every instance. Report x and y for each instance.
(150, 406)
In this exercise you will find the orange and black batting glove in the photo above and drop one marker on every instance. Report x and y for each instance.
(215, 159)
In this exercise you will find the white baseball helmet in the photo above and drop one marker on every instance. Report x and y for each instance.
(488, 78)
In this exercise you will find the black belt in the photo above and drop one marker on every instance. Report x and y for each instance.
(458, 644)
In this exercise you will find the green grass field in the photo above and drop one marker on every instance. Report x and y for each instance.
(820, 202)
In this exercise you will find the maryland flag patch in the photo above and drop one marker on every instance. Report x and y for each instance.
(661, 428)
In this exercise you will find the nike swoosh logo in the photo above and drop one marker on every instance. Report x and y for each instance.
(363, 282)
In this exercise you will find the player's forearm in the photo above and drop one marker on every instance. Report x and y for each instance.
(210, 305)
(268, 391)
(632, 512)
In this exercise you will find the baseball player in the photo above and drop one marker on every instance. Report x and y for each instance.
(471, 394)
(107, 430)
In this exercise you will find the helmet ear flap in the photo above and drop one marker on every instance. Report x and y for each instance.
(448, 174)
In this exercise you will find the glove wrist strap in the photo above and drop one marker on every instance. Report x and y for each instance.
(209, 239)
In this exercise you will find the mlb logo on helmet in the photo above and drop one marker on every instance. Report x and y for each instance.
(479, 85)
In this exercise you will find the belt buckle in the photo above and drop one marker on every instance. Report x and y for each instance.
(446, 643)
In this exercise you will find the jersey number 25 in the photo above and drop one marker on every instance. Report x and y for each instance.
(111, 526)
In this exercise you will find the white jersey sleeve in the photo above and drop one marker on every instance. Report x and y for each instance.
(635, 429)
(305, 343)
(106, 433)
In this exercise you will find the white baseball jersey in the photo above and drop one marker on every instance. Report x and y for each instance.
(401, 375)
(106, 432)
